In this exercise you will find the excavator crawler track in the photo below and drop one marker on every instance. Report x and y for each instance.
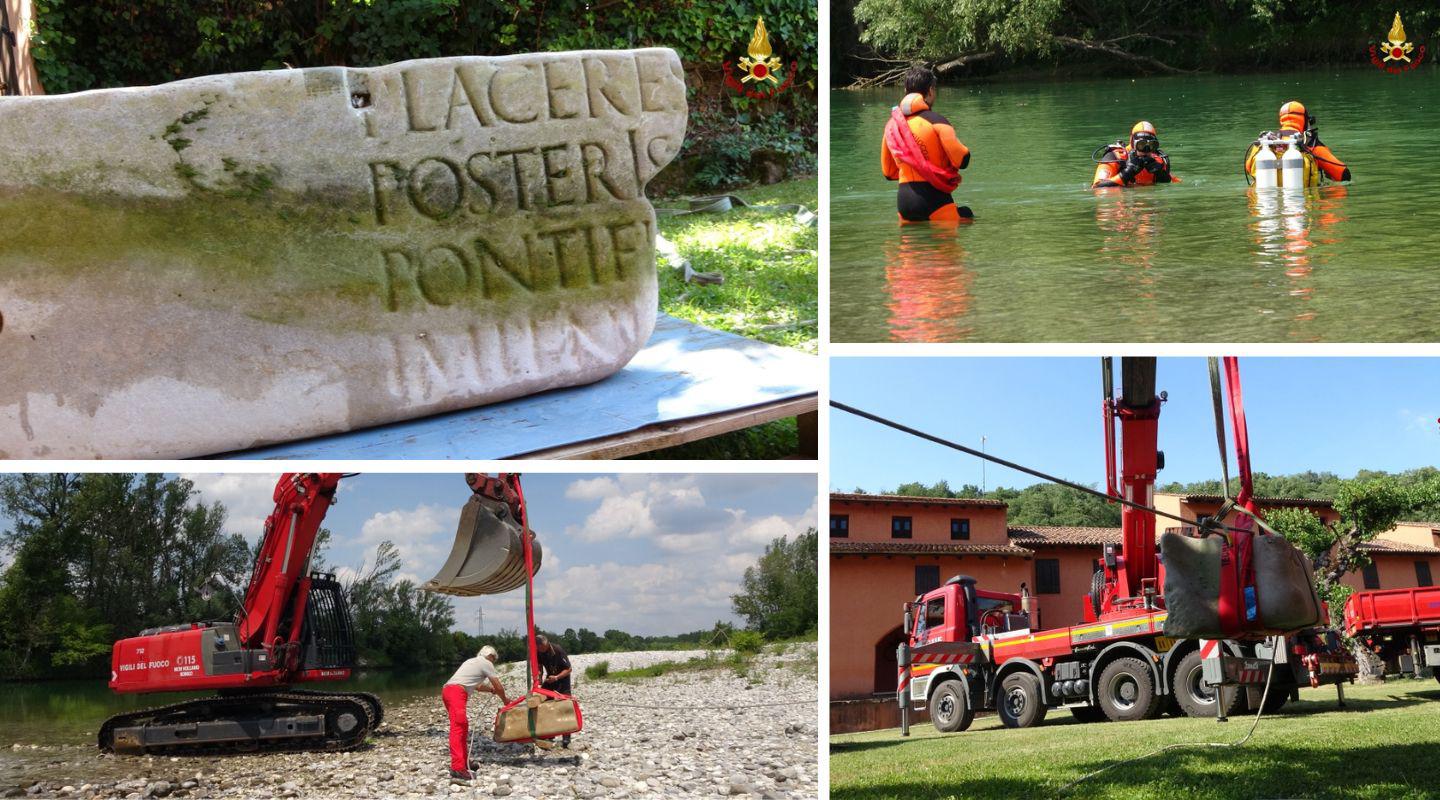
(245, 722)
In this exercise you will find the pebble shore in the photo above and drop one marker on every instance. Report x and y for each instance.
(716, 734)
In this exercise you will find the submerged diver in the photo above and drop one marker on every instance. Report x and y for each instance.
(920, 150)
(1295, 121)
(1142, 162)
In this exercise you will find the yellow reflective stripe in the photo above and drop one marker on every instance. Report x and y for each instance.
(1030, 639)
(1131, 623)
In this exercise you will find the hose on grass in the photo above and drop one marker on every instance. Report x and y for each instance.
(1259, 712)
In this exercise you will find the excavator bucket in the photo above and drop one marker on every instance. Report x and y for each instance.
(488, 554)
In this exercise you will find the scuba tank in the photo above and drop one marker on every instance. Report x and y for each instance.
(1292, 167)
(1266, 175)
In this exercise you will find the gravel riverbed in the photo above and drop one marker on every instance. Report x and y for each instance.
(718, 733)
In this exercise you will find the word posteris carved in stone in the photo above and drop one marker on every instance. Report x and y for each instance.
(237, 260)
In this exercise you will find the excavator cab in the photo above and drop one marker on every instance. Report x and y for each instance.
(488, 555)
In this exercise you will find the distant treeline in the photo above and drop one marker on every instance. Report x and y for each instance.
(1050, 504)
(874, 39)
(98, 557)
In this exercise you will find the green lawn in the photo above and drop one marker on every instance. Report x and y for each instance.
(770, 293)
(1385, 744)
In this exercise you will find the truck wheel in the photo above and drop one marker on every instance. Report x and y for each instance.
(1197, 698)
(1127, 691)
(950, 709)
(1275, 701)
(1088, 714)
(1021, 705)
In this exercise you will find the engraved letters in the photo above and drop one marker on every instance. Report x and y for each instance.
(566, 147)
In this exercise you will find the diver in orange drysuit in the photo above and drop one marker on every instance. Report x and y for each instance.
(1142, 162)
(920, 150)
(1295, 119)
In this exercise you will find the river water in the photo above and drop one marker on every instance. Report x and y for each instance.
(70, 712)
(1203, 260)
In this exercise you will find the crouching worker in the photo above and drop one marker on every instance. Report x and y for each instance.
(920, 151)
(555, 664)
(1139, 162)
(478, 674)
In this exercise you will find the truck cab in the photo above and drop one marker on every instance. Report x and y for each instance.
(956, 621)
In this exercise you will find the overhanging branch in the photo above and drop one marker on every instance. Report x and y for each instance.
(1109, 48)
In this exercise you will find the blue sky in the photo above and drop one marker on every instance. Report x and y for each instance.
(1335, 414)
(648, 554)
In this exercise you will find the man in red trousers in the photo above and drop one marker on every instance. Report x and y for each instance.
(476, 674)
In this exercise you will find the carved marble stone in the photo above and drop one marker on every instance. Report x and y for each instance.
(236, 260)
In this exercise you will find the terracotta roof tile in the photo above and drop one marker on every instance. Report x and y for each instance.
(1042, 535)
(1264, 501)
(954, 502)
(1392, 546)
(844, 547)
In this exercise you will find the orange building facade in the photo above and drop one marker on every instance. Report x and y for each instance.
(885, 550)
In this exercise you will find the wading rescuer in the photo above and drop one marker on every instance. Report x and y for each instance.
(920, 150)
(478, 674)
(556, 665)
(1295, 120)
(1139, 162)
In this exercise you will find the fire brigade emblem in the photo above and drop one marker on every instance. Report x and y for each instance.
(759, 71)
(1396, 53)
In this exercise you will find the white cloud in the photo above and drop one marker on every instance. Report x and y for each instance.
(1424, 423)
(248, 499)
(618, 517)
(422, 535)
(592, 489)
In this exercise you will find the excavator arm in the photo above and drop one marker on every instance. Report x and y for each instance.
(273, 613)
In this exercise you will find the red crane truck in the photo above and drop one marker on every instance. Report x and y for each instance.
(970, 648)
(293, 627)
(1399, 625)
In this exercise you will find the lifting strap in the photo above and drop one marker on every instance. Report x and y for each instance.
(537, 693)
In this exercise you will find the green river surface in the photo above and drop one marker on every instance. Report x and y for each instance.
(63, 717)
(1204, 260)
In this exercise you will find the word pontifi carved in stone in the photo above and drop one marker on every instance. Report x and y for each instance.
(237, 260)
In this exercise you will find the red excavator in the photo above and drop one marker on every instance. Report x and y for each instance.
(294, 627)
(1139, 650)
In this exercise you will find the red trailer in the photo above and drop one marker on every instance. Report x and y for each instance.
(1402, 626)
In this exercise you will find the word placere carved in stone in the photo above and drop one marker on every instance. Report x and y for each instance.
(237, 260)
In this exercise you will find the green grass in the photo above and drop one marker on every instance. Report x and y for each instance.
(1383, 745)
(770, 266)
(770, 293)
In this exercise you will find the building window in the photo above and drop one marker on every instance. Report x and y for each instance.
(959, 529)
(899, 527)
(1422, 574)
(1047, 576)
(1371, 575)
(926, 579)
(839, 526)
